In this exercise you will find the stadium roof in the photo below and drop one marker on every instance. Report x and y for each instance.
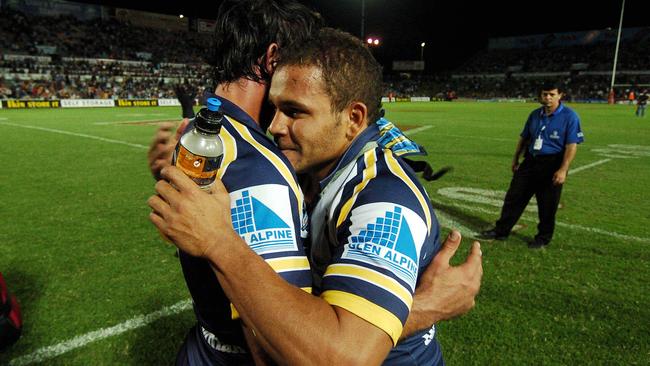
(452, 30)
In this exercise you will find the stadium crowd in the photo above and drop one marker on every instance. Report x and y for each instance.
(62, 57)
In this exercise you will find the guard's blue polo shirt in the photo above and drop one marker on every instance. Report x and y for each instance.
(558, 129)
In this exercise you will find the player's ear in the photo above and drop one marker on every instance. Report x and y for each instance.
(271, 58)
(357, 114)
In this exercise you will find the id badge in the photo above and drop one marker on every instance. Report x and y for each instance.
(538, 143)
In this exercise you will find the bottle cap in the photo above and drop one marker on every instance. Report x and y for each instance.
(208, 120)
(214, 104)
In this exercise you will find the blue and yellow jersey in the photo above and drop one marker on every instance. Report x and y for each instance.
(267, 212)
(373, 233)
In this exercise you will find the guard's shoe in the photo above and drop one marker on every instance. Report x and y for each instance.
(491, 235)
(537, 244)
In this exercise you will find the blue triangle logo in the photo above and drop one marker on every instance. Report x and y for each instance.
(404, 243)
(265, 218)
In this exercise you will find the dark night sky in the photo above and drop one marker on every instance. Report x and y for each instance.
(452, 30)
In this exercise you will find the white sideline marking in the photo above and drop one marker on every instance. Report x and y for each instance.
(135, 121)
(446, 220)
(416, 130)
(76, 134)
(573, 171)
(570, 226)
(474, 137)
(47, 353)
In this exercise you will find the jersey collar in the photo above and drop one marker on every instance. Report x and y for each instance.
(558, 110)
(232, 110)
(369, 134)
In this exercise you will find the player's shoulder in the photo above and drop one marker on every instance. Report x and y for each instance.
(251, 158)
(391, 180)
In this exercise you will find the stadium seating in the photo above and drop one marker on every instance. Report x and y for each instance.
(63, 57)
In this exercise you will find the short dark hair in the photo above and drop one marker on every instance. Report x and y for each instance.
(245, 28)
(550, 85)
(350, 72)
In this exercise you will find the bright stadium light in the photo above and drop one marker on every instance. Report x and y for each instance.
(422, 50)
(181, 16)
(373, 41)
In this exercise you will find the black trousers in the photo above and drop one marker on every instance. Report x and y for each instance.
(534, 177)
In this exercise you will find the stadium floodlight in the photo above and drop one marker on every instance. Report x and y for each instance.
(181, 16)
(373, 41)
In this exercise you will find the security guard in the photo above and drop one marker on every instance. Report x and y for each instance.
(550, 140)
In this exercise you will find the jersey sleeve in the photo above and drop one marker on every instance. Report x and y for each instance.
(574, 133)
(381, 242)
(525, 133)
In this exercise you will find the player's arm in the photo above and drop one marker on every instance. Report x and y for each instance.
(569, 154)
(291, 324)
(445, 292)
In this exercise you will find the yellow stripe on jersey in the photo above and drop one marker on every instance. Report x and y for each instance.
(234, 314)
(370, 172)
(366, 310)
(396, 169)
(374, 277)
(286, 264)
(274, 159)
(229, 151)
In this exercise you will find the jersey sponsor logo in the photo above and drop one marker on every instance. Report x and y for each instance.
(554, 135)
(391, 240)
(262, 216)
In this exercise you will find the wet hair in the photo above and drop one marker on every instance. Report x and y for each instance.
(350, 72)
(244, 30)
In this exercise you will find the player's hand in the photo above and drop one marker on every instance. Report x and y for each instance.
(194, 220)
(515, 166)
(162, 146)
(444, 291)
(559, 177)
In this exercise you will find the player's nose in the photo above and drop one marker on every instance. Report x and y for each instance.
(278, 125)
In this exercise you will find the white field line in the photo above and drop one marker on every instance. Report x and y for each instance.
(139, 321)
(558, 223)
(416, 130)
(448, 221)
(476, 137)
(595, 163)
(75, 134)
(134, 121)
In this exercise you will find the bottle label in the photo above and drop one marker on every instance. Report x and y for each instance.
(202, 170)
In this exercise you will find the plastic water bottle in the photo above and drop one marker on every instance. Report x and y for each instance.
(199, 152)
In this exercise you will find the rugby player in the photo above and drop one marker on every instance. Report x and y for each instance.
(370, 241)
(267, 201)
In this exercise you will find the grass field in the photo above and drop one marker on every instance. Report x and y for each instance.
(99, 287)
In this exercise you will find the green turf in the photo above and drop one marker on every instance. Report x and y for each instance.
(78, 250)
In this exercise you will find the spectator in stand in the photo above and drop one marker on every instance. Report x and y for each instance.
(641, 103)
